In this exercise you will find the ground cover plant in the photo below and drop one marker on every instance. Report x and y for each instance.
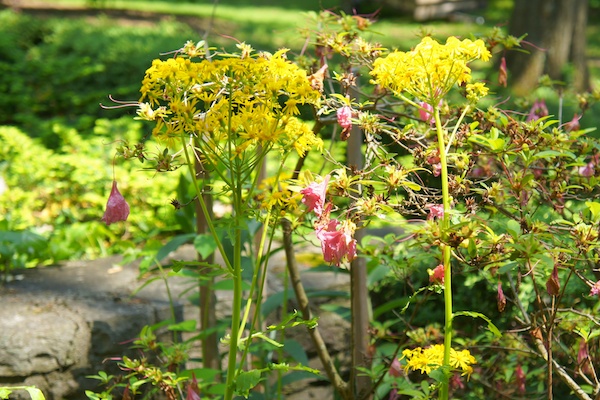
(491, 288)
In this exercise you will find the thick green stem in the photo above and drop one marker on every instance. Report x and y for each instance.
(236, 306)
(445, 255)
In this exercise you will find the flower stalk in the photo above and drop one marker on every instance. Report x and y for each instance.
(446, 253)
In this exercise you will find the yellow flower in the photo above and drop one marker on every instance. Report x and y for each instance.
(233, 103)
(476, 90)
(279, 197)
(431, 69)
(432, 357)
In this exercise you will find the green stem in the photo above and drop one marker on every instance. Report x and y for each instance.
(236, 306)
(164, 276)
(260, 272)
(445, 255)
(199, 194)
(453, 135)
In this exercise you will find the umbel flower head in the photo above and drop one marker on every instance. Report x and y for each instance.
(233, 103)
(431, 69)
(117, 208)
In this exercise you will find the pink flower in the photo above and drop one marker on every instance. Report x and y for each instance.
(437, 275)
(456, 382)
(395, 368)
(573, 125)
(587, 170)
(435, 211)
(595, 289)
(336, 244)
(538, 110)
(520, 380)
(435, 161)
(501, 298)
(583, 357)
(344, 117)
(437, 169)
(193, 391)
(117, 208)
(314, 196)
(426, 113)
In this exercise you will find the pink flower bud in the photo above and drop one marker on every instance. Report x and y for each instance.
(552, 284)
(395, 368)
(502, 73)
(587, 170)
(538, 110)
(595, 289)
(435, 211)
(583, 358)
(573, 125)
(426, 113)
(193, 391)
(344, 117)
(117, 208)
(437, 275)
(501, 298)
(520, 380)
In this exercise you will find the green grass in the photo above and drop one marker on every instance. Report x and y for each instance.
(267, 26)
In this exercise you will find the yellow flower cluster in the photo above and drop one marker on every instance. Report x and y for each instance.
(431, 69)
(231, 103)
(432, 358)
(275, 193)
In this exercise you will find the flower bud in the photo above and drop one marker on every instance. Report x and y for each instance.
(344, 119)
(573, 125)
(501, 298)
(117, 208)
(520, 380)
(436, 275)
(552, 284)
(502, 73)
(395, 368)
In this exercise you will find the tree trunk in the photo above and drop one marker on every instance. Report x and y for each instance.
(359, 291)
(555, 36)
(581, 81)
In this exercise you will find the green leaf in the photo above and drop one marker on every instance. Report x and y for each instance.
(35, 393)
(513, 228)
(184, 326)
(474, 314)
(399, 303)
(4, 393)
(201, 374)
(411, 185)
(553, 154)
(173, 245)
(594, 208)
(205, 245)
(296, 351)
(247, 380)
(227, 284)
(272, 303)
(377, 274)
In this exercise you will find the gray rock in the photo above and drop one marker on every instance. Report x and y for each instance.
(60, 324)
